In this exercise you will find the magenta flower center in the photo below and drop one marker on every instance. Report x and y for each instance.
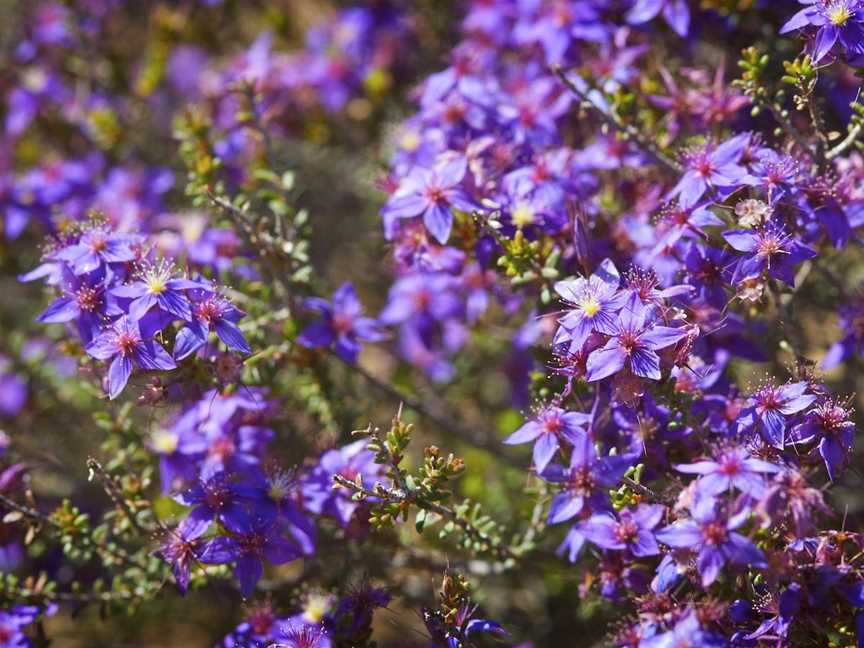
(126, 342)
(582, 480)
(343, 323)
(208, 310)
(730, 466)
(87, 299)
(626, 531)
(98, 243)
(714, 533)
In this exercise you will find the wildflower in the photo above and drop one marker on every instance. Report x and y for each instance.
(432, 194)
(712, 536)
(594, 303)
(84, 301)
(835, 20)
(157, 286)
(770, 406)
(422, 295)
(350, 461)
(260, 540)
(707, 270)
(852, 324)
(791, 500)
(342, 323)
(830, 424)
(676, 13)
(547, 429)
(633, 529)
(769, 250)
(457, 632)
(96, 247)
(233, 499)
(184, 546)
(585, 482)
(711, 167)
(210, 312)
(123, 342)
(686, 632)
(732, 467)
(634, 343)
(14, 620)
(299, 633)
(787, 605)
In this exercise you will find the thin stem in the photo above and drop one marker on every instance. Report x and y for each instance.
(644, 491)
(849, 140)
(115, 494)
(503, 552)
(36, 516)
(445, 423)
(788, 126)
(619, 124)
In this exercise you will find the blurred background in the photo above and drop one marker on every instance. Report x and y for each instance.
(106, 142)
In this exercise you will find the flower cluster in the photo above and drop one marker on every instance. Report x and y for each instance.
(119, 301)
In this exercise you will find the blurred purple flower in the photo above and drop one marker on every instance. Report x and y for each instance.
(342, 323)
(548, 428)
(432, 194)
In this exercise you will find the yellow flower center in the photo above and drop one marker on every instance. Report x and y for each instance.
(164, 442)
(316, 607)
(157, 285)
(523, 215)
(591, 306)
(839, 15)
(410, 141)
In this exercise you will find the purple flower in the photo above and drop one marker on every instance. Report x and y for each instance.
(711, 167)
(676, 13)
(432, 194)
(210, 312)
(183, 546)
(851, 320)
(547, 429)
(769, 249)
(707, 270)
(713, 538)
(787, 605)
(233, 499)
(350, 461)
(158, 287)
(12, 624)
(594, 303)
(635, 343)
(122, 341)
(770, 406)
(300, 633)
(13, 391)
(835, 20)
(260, 541)
(687, 632)
(830, 424)
(97, 246)
(456, 632)
(733, 467)
(342, 323)
(791, 501)
(633, 529)
(586, 482)
(430, 295)
(85, 301)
